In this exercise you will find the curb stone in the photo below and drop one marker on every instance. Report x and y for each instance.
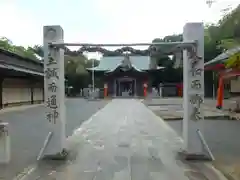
(225, 117)
(203, 171)
(211, 172)
(19, 108)
(225, 174)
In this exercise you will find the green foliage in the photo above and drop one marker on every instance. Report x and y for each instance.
(170, 38)
(165, 61)
(224, 35)
(228, 30)
(75, 70)
(161, 58)
(75, 64)
(229, 25)
(38, 50)
(7, 45)
(173, 38)
(211, 47)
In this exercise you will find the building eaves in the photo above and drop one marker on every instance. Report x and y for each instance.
(223, 57)
(20, 69)
(11, 54)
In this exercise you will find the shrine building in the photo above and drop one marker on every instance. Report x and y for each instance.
(226, 68)
(126, 75)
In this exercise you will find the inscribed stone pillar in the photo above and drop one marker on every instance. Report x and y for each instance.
(54, 89)
(193, 84)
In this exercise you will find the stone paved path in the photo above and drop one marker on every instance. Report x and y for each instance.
(123, 141)
(28, 130)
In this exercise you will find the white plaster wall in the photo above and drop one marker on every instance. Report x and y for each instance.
(235, 85)
(16, 90)
(12, 95)
(37, 94)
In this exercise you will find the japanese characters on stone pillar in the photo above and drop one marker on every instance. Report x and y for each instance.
(193, 84)
(54, 89)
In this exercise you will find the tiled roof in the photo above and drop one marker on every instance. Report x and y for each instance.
(112, 62)
(9, 53)
(223, 57)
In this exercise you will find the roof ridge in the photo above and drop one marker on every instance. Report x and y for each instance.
(110, 63)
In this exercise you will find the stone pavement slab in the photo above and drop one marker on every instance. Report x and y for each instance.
(123, 141)
(172, 109)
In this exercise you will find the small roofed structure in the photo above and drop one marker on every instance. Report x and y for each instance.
(227, 66)
(218, 63)
(125, 75)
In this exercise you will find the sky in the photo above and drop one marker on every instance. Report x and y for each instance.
(103, 21)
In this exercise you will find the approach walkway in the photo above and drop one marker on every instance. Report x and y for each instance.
(123, 141)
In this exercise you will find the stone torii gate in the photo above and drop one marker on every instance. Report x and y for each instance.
(193, 63)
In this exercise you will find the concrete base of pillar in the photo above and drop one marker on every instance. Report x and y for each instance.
(59, 156)
(193, 157)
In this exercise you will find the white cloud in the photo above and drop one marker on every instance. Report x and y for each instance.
(18, 26)
(144, 20)
(104, 21)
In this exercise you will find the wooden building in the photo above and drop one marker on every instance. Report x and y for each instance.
(226, 65)
(125, 75)
(21, 80)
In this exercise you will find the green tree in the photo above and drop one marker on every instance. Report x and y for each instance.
(227, 31)
(161, 58)
(7, 45)
(38, 50)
